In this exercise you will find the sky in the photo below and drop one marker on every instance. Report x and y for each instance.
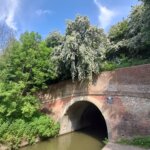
(45, 16)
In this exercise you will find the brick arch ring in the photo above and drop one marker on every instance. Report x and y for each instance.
(97, 103)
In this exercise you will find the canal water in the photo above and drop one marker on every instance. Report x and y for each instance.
(87, 139)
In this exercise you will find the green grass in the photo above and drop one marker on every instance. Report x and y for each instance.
(143, 142)
(121, 63)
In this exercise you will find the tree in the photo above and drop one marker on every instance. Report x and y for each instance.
(26, 69)
(29, 61)
(117, 37)
(131, 36)
(146, 26)
(134, 35)
(82, 50)
(139, 31)
(118, 32)
(54, 39)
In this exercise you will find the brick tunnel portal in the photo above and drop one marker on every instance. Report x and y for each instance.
(85, 115)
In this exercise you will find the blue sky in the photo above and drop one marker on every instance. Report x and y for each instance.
(44, 16)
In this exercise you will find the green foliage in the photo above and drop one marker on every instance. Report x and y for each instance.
(82, 50)
(14, 104)
(108, 66)
(135, 20)
(134, 36)
(46, 127)
(122, 62)
(146, 25)
(29, 61)
(117, 37)
(139, 31)
(27, 65)
(25, 68)
(19, 130)
(137, 141)
(105, 141)
(131, 37)
(54, 39)
(118, 31)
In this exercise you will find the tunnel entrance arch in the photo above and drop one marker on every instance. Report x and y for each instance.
(79, 114)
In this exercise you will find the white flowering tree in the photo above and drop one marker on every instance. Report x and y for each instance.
(82, 50)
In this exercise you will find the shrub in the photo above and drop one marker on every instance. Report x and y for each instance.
(13, 133)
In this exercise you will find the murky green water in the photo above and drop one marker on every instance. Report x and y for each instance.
(80, 140)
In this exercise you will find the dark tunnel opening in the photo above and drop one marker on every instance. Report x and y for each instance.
(86, 117)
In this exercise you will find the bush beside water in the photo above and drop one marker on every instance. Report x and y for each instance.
(13, 133)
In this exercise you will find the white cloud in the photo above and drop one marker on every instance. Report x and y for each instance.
(8, 9)
(41, 12)
(105, 15)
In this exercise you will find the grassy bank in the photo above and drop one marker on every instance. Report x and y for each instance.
(143, 142)
(121, 63)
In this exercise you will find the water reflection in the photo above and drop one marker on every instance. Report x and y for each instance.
(79, 140)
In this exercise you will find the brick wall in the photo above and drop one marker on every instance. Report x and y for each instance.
(128, 115)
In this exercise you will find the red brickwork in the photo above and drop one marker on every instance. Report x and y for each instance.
(128, 115)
